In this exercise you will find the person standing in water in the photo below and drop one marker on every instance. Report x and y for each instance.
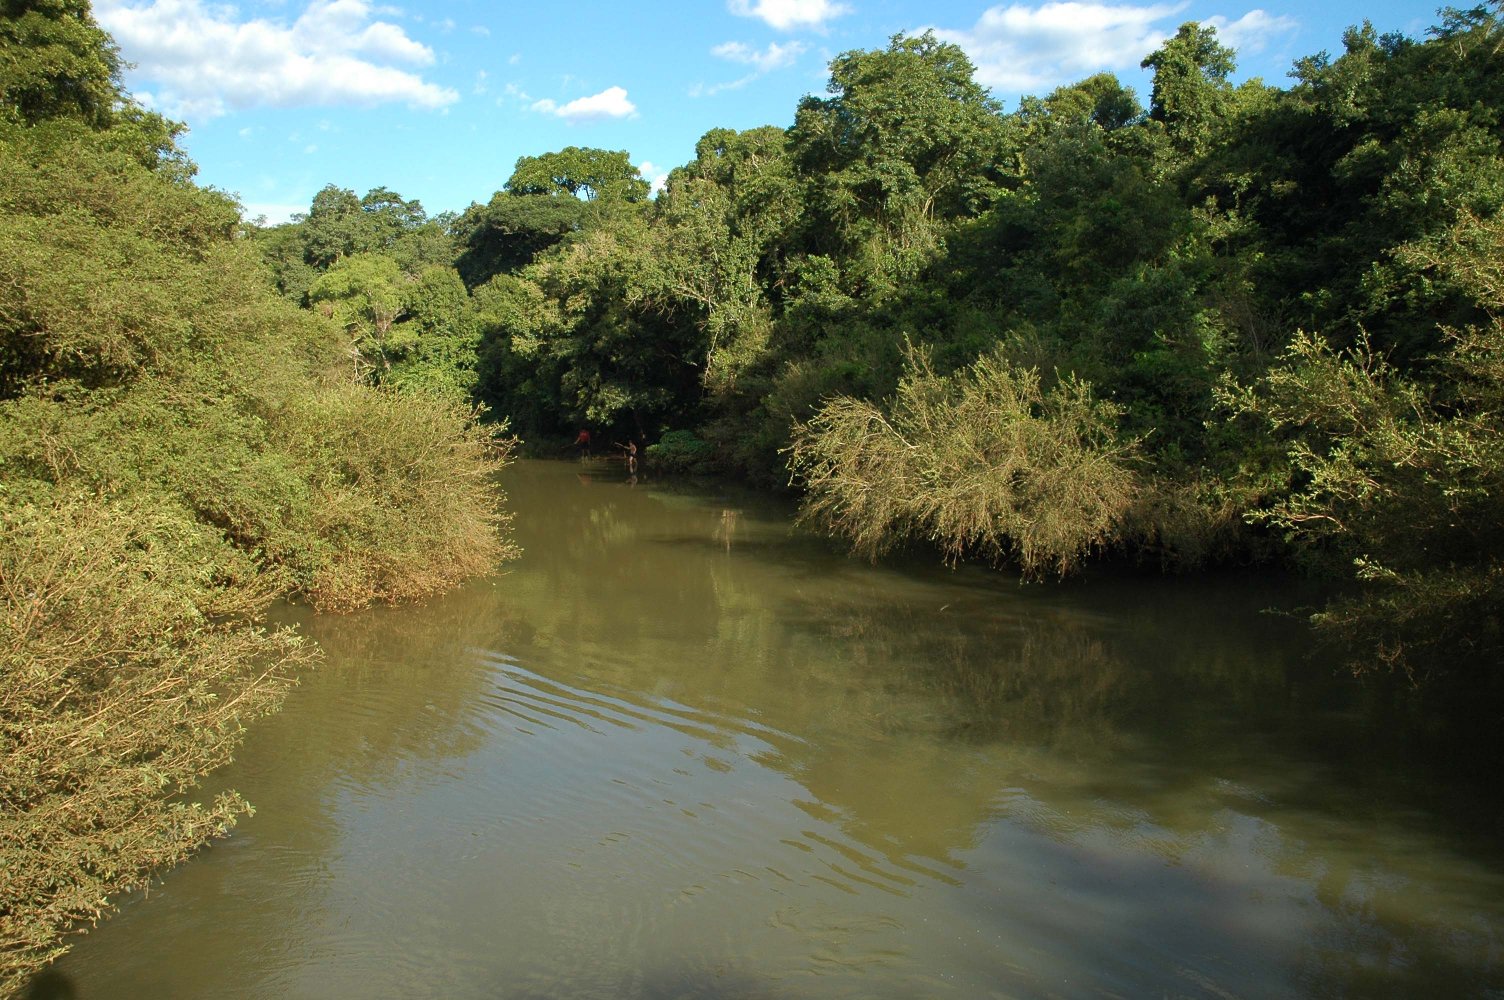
(631, 449)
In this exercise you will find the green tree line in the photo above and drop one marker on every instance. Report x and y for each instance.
(1243, 323)
(179, 447)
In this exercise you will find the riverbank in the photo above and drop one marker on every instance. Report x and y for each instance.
(180, 448)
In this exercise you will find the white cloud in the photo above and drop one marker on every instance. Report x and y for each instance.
(655, 175)
(272, 213)
(1253, 31)
(481, 29)
(204, 62)
(702, 90)
(1020, 49)
(775, 56)
(788, 14)
(609, 103)
(513, 94)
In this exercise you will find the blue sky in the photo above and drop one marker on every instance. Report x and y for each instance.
(438, 100)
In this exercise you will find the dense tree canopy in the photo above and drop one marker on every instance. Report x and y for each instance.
(1143, 264)
(56, 62)
(589, 174)
(504, 235)
(1192, 273)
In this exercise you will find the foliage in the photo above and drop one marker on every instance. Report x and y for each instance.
(1383, 146)
(364, 295)
(179, 445)
(1402, 480)
(435, 348)
(1191, 90)
(338, 225)
(906, 136)
(401, 504)
(504, 236)
(580, 172)
(383, 271)
(595, 352)
(987, 461)
(56, 62)
(763, 301)
(132, 661)
(680, 452)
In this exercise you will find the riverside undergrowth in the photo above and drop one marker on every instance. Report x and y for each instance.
(179, 448)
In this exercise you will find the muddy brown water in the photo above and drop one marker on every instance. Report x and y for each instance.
(683, 749)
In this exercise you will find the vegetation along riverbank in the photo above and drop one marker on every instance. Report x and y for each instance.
(1242, 323)
(179, 447)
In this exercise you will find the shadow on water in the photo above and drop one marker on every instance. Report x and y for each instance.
(49, 984)
(681, 749)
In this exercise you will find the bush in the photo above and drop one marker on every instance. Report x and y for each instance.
(983, 461)
(401, 501)
(681, 452)
(132, 658)
(1405, 489)
(1399, 479)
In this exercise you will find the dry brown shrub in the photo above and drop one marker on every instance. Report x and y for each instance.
(131, 659)
(403, 502)
(984, 461)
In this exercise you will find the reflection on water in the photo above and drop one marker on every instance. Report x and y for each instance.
(680, 750)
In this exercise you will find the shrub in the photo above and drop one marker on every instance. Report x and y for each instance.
(132, 658)
(1402, 478)
(401, 503)
(983, 461)
(681, 452)
(1405, 489)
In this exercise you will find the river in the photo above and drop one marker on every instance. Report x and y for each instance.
(683, 749)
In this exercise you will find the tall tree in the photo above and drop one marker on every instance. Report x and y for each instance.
(508, 232)
(1191, 90)
(723, 227)
(55, 61)
(582, 172)
(907, 137)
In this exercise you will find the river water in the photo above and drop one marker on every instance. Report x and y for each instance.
(681, 749)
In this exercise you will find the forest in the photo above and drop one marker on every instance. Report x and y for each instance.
(1244, 324)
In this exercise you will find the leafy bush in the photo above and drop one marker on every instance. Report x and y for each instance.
(132, 658)
(983, 461)
(681, 452)
(1402, 479)
(1406, 489)
(400, 504)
